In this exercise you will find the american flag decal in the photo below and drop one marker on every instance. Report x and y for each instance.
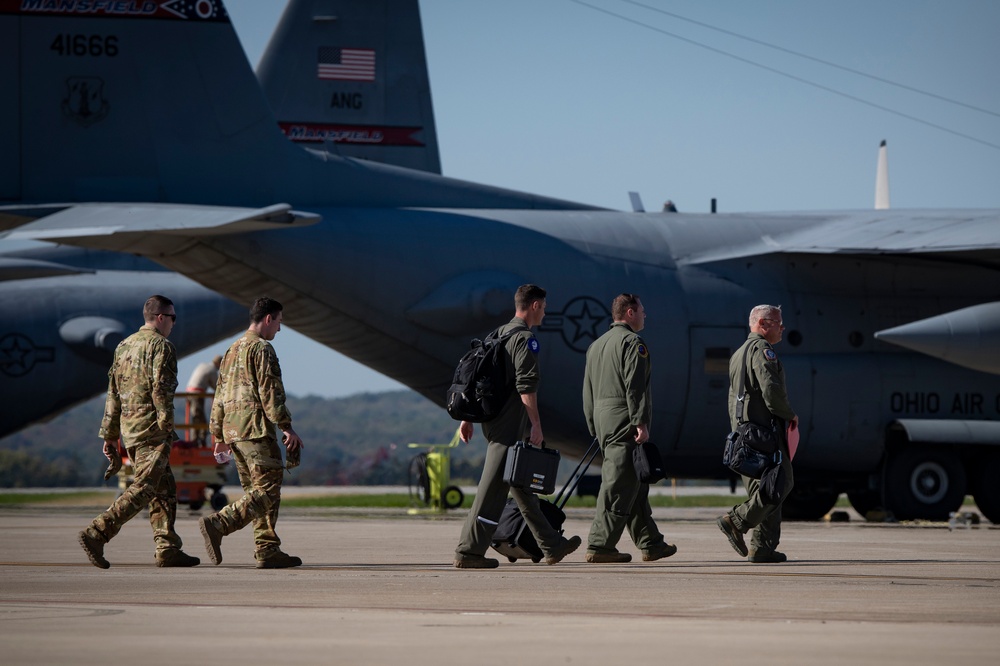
(339, 64)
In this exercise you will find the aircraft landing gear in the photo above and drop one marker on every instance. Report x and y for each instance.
(923, 483)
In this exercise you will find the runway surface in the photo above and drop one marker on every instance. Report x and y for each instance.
(378, 587)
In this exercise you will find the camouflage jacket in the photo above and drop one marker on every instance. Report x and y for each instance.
(250, 397)
(141, 385)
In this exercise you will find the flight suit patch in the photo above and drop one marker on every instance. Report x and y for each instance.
(643, 352)
(770, 355)
(533, 345)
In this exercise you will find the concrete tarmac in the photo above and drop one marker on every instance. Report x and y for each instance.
(378, 587)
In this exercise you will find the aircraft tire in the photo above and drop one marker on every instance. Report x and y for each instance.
(808, 504)
(986, 486)
(923, 483)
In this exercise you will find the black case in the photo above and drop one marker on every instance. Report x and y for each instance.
(513, 539)
(531, 469)
(648, 463)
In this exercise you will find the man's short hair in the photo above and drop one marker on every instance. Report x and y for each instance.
(763, 312)
(262, 307)
(622, 303)
(155, 305)
(526, 295)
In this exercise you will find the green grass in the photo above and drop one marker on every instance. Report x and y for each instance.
(82, 497)
(402, 501)
(383, 501)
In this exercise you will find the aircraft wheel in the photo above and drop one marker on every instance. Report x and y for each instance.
(197, 504)
(536, 560)
(923, 483)
(808, 503)
(985, 487)
(864, 501)
(218, 501)
(511, 559)
(452, 497)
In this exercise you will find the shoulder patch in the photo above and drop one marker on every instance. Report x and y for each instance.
(643, 352)
(533, 345)
(770, 355)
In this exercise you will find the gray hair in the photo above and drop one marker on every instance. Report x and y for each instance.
(763, 312)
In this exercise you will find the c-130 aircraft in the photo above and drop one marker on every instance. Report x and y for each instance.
(180, 159)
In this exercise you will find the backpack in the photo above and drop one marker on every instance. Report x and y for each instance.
(480, 387)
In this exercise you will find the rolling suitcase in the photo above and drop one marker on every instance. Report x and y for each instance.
(514, 540)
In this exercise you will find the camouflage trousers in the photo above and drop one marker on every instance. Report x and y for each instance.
(153, 486)
(258, 463)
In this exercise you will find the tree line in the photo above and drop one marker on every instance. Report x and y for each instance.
(356, 440)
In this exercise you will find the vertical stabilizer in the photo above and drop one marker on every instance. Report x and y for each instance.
(882, 179)
(350, 78)
(151, 100)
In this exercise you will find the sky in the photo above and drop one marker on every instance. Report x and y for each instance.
(690, 100)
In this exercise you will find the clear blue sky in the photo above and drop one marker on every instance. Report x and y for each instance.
(557, 98)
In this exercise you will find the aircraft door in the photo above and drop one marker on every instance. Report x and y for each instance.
(706, 419)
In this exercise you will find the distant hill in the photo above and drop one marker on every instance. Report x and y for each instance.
(360, 439)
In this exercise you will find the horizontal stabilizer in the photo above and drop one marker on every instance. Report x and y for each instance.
(124, 227)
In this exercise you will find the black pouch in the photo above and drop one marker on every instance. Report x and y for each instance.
(772, 485)
(648, 462)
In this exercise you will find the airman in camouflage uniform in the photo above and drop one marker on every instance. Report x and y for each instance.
(140, 410)
(509, 426)
(766, 402)
(249, 403)
(617, 404)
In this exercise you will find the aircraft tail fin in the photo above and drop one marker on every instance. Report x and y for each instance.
(128, 101)
(353, 81)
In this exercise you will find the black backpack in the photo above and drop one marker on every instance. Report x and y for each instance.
(480, 387)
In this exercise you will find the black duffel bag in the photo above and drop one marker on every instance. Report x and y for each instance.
(751, 450)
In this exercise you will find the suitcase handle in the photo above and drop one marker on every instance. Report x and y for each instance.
(574, 479)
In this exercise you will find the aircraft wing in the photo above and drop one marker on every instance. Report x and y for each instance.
(894, 232)
(149, 228)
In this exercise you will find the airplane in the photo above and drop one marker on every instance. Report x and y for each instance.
(53, 371)
(140, 128)
(63, 311)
